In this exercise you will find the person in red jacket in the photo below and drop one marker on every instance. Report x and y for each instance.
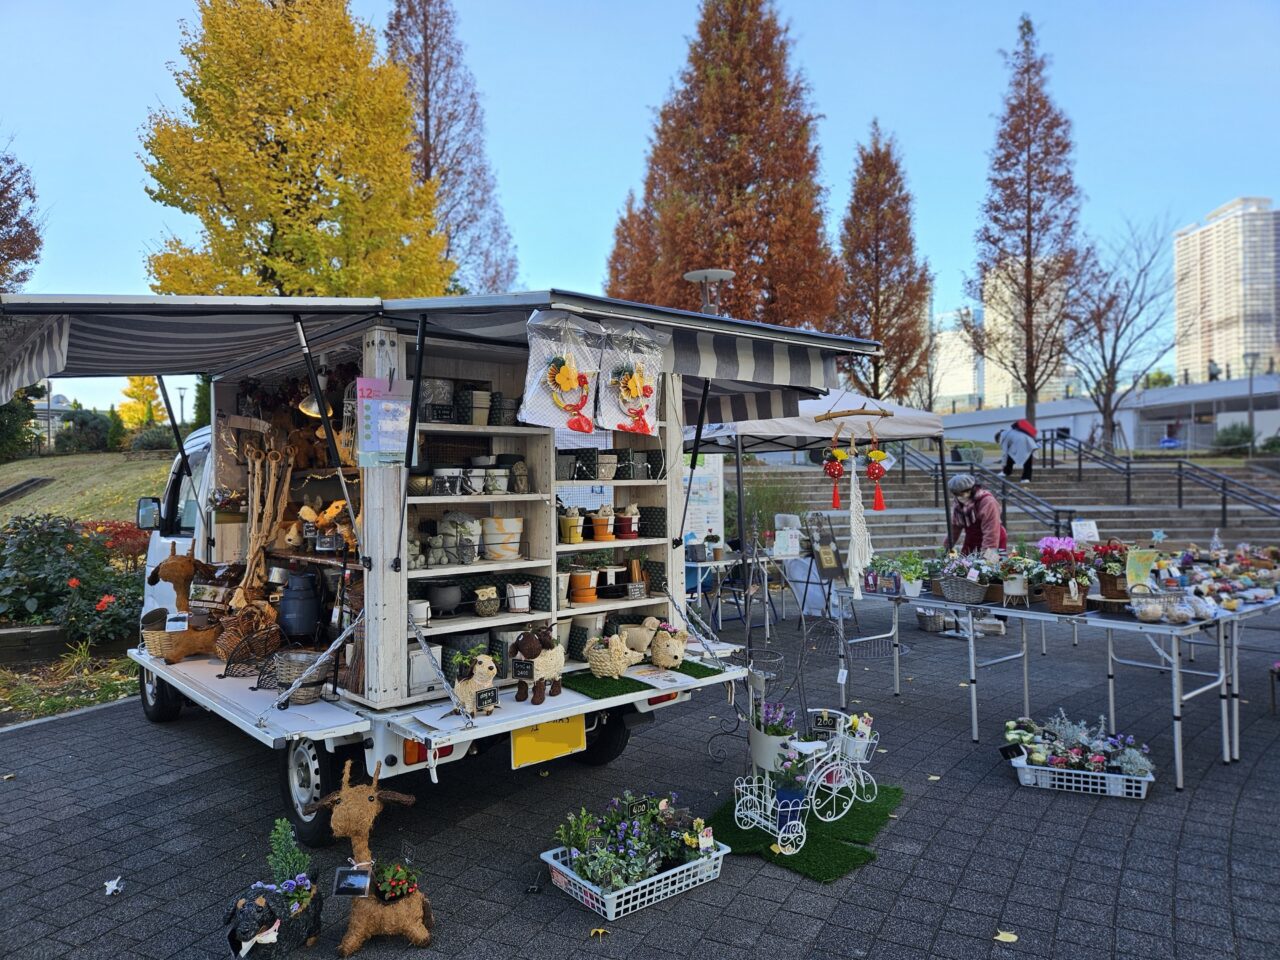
(975, 519)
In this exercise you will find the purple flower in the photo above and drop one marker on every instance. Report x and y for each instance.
(289, 886)
(303, 881)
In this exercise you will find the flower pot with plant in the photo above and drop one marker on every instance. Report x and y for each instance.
(965, 579)
(1062, 574)
(912, 570)
(887, 578)
(712, 540)
(789, 785)
(771, 730)
(273, 919)
(395, 880)
(1110, 561)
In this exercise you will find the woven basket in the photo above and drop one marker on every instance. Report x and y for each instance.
(1059, 600)
(1114, 586)
(153, 640)
(290, 665)
(931, 621)
(962, 590)
(995, 593)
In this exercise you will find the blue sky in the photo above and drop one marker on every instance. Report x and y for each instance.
(1173, 105)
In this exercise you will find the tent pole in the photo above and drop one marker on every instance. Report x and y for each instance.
(177, 434)
(330, 438)
(410, 443)
(749, 571)
(946, 494)
(693, 462)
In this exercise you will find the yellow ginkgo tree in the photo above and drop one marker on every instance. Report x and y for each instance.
(292, 150)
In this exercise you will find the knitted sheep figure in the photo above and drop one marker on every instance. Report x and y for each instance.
(481, 676)
(548, 664)
(667, 650)
(611, 657)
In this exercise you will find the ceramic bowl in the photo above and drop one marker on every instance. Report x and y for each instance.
(483, 461)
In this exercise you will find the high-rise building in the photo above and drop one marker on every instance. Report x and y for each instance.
(1002, 323)
(956, 368)
(1227, 290)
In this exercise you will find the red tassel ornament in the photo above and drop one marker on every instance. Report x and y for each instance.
(833, 466)
(874, 472)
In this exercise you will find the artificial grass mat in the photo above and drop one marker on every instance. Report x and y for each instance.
(831, 850)
(600, 688)
(696, 670)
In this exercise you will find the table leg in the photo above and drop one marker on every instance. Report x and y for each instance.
(1026, 674)
(973, 678)
(1223, 699)
(897, 647)
(1075, 634)
(843, 675)
(1191, 650)
(1044, 644)
(764, 576)
(1111, 682)
(1235, 689)
(1175, 671)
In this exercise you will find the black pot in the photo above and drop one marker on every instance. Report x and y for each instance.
(300, 606)
(444, 596)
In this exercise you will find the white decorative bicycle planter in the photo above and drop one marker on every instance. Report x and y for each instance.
(629, 899)
(1082, 781)
(835, 778)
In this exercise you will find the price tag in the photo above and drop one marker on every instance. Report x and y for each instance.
(654, 859)
(308, 529)
(825, 721)
(972, 575)
(594, 844)
(638, 808)
(352, 882)
(487, 699)
(706, 841)
(1048, 735)
(522, 669)
(842, 676)
(1011, 751)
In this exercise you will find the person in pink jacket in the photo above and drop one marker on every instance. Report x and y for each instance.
(975, 519)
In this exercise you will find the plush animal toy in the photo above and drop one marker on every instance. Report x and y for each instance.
(667, 650)
(179, 571)
(293, 536)
(190, 642)
(611, 657)
(354, 809)
(303, 446)
(548, 664)
(261, 924)
(480, 677)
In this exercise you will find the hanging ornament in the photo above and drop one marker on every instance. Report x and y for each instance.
(634, 393)
(875, 470)
(833, 459)
(564, 380)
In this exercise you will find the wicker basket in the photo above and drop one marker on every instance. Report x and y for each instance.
(1059, 599)
(931, 621)
(290, 665)
(1113, 586)
(153, 640)
(995, 593)
(962, 590)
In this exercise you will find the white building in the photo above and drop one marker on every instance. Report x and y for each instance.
(1003, 326)
(1227, 290)
(957, 369)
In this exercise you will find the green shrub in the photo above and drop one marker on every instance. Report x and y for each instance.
(1271, 445)
(86, 431)
(1233, 441)
(286, 859)
(153, 438)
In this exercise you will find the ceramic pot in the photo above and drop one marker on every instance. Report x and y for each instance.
(483, 461)
(611, 575)
(562, 586)
(765, 749)
(583, 579)
(571, 529)
(496, 481)
(911, 588)
(502, 537)
(444, 596)
(601, 528)
(518, 597)
(624, 527)
(1016, 586)
(300, 606)
(420, 610)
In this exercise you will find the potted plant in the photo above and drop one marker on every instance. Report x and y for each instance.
(933, 572)
(272, 919)
(965, 579)
(712, 540)
(789, 784)
(461, 662)
(1013, 571)
(886, 574)
(772, 728)
(395, 880)
(1063, 754)
(911, 567)
(1109, 563)
(1063, 575)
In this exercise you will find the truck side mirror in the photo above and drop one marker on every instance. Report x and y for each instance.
(148, 513)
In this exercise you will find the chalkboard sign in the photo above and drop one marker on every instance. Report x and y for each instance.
(638, 808)
(594, 844)
(486, 699)
(522, 669)
(826, 721)
(1011, 751)
(826, 558)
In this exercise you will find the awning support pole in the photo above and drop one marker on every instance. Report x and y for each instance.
(177, 433)
(946, 494)
(330, 438)
(748, 558)
(410, 444)
(693, 461)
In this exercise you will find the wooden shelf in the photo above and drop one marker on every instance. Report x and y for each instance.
(319, 559)
(480, 566)
(600, 606)
(610, 483)
(610, 544)
(482, 431)
(463, 499)
(444, 625)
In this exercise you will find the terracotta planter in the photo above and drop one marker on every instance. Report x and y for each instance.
(602, 528)
(580, 580)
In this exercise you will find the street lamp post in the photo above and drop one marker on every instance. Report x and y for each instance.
(1250, 364)
(182, 406)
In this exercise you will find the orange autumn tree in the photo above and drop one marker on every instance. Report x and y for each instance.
(732, 181)
(885, 290)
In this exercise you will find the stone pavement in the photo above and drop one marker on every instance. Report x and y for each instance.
(183, 810)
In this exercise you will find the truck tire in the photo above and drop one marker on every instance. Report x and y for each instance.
(606, 742)
(160, 702)
(308, 772)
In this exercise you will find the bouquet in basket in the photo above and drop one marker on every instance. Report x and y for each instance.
(1069, 745)
(964, 567)
(1110, 558)
(1061, 562)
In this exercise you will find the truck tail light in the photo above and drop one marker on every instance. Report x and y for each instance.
(415, 751)
(665, 698)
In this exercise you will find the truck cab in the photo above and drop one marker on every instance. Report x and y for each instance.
(177, 519)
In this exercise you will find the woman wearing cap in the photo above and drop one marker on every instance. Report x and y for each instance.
(975, 519)
(1018, 445)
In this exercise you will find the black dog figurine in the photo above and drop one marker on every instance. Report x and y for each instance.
(253, 914)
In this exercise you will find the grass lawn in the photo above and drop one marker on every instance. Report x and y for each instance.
(95, 486)
(76, 680)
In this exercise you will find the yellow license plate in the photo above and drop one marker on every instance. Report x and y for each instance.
(547, 741)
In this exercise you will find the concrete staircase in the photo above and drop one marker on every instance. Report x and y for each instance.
(913, 520)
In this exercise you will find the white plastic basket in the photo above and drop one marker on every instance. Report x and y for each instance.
(626, 900)
(1082, 781)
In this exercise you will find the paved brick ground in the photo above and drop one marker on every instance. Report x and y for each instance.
(183, 811)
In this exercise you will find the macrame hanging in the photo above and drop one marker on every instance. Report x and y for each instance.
(859, 554)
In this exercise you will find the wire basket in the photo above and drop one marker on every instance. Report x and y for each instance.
(246, 658)
(290, 665)
(963, 590)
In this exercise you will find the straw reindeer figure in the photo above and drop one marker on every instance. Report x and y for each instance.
(179, 570)
(354, 809)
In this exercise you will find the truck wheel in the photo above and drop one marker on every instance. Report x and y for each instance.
(160, 702)
(606, 742)
(308, 772)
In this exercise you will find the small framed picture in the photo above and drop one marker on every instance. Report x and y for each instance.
(352, 882)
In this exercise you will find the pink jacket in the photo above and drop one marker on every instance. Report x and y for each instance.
(975, 524)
